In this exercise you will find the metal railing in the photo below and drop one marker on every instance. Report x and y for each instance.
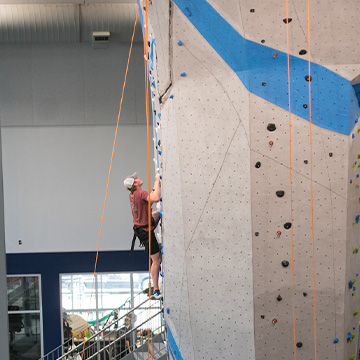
(113, 341)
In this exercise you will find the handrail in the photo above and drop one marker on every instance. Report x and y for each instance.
(82, 344)
(59, 349)
(120, 337)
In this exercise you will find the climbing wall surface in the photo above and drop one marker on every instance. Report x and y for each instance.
(260, 208)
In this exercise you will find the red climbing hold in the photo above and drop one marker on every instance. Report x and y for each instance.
(274, 321)
(275, 55)
(278, 233)
(271, 143)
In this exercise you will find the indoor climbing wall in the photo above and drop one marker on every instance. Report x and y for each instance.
(261, 208)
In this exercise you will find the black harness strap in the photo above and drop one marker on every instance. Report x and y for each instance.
(136, 228)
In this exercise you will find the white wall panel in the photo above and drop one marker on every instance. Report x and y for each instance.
(55, 180)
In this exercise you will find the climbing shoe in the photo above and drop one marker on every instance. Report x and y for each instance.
(157, 295)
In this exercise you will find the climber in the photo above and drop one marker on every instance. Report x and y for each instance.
(139, 208)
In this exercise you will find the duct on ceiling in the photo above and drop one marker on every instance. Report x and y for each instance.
(64, 23)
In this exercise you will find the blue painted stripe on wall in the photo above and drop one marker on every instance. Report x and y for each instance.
(334, 104)
(174, 349)
(50, 265)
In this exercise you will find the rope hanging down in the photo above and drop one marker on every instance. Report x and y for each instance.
(108, 180)
(146, 65)
(311, 181)
(291, 183)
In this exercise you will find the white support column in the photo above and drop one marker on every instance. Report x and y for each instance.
(4, 329)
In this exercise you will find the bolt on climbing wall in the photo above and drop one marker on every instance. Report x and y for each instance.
(251, 258)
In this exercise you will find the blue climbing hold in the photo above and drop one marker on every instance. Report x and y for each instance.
(357, 274)
(159, 115)
(357, 175)
(153, 84)
(187, 12)
(171, 96)
(354, 327)
(356, 251)
(167, 310)
(351, 284)
(162, 274)
(159, 152)
(354, 288)
(348, 337)
(353, 135)
(350, 181)
(357, 218)
(356, 120)
(183, 74)
(336, 340)
(160, 213)
(179, 42)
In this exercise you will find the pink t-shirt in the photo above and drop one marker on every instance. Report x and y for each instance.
(139, 207)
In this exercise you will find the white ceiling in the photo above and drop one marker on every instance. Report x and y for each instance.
(64, 21)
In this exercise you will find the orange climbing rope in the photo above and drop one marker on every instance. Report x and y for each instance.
(108, 180)
(291, 184)
(146, 64)
(311, 178)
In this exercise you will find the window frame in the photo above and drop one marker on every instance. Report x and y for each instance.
(40, 311)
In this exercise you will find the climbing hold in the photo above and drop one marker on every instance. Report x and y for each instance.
(280, 193)
(179, 43)
(274, 321)
(348, 336)
(258, 164)
(278, 233)
(355, 313)
(350, 284)
(302, 52)
(299, 344)
(183, 74)
(350, 181)
(305, 106)
(336, 340)
(279, 298)
(262, 41)
(159, 115)
(275, 55)
(168, 310)
(271, 127)
(271, 143)
(171, 96)
(256, 234)
(357, 175)
(262, 316)
(352, 357)
(304, 293)
(287, 225)
(330, 154)
(305, 162)
(252, 10)
(285, 263)
(308, 78)
(354, 288)
(263, 84)
(355, 250)
(187, 12)
(357, 274)
(162, 274)
(287, 20)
